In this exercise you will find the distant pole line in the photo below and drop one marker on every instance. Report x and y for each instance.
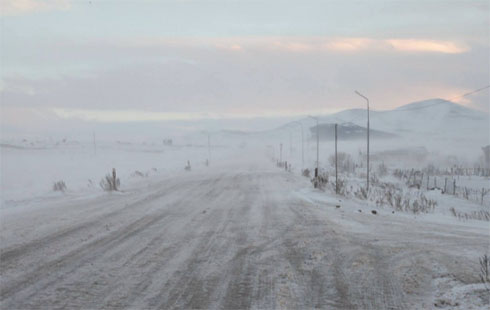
(336, 174)
(470, 93)
(367, 100)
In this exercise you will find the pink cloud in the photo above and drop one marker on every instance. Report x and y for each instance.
(20, 7)
(412, 45)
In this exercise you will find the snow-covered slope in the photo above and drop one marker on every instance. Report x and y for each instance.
(435, 117)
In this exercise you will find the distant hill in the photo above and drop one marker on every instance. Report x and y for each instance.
(429, 118)
(434, 116)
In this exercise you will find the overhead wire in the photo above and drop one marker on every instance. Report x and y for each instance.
(426, 106)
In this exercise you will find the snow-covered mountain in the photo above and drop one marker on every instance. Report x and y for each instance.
(433, 117)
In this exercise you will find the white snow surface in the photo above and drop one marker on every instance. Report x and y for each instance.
(241, 233)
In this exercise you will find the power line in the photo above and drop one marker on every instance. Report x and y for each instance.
(436, 103)
(425, 106)
(472, 92)
(414, 108)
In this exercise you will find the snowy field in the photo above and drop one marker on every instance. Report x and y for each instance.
(30, 170)
(240, 233)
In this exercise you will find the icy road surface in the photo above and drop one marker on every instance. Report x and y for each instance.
(235, 239)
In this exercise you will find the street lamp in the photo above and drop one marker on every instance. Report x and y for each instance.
(317, 142)
(367, 100)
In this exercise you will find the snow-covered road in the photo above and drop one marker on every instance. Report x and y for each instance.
(232, 238)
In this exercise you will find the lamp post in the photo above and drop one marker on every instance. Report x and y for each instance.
(317, 143)
(367, 100)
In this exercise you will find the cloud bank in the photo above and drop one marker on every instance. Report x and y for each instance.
(22, 7)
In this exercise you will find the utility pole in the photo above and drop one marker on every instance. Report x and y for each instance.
(317, 144)
(367, 100)
(336, 175)
(280, 153)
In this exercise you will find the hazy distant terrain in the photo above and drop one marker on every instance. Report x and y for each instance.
(238, 230)
(437, 118)
(244, 154)
(244, 234)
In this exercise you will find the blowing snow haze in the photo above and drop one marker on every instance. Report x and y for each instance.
(221, 154)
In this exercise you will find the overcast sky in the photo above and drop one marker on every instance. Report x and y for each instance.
(156, 60)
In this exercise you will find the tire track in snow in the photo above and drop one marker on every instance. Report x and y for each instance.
(67, 264)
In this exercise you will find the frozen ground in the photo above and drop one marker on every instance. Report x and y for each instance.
(243, 234)
(29, 169)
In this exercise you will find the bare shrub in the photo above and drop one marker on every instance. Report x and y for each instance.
(361, 193)
(373, 179)
(344, 162)
(481, 215)
(420, 204)
(453, 211)
(320, 181)
(484, 271)
(393, 198)
(398, 199)
(306, 172)
(341, 186)
(382, 170)
(59, 186)
(110, 182)
(138, 173)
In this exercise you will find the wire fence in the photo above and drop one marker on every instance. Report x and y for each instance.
(451, 184)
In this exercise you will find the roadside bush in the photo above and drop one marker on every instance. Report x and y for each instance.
(398, 199)
(59, 186)
(306, 172)
(341, 187)
(110, 182)
(320, 181)
(485, 271)
(361, 193)
(188, 166)
(344, 162)
(140, 174)
(382, 170)
(481, 215)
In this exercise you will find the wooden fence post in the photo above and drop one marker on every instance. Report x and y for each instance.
(114, 178)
